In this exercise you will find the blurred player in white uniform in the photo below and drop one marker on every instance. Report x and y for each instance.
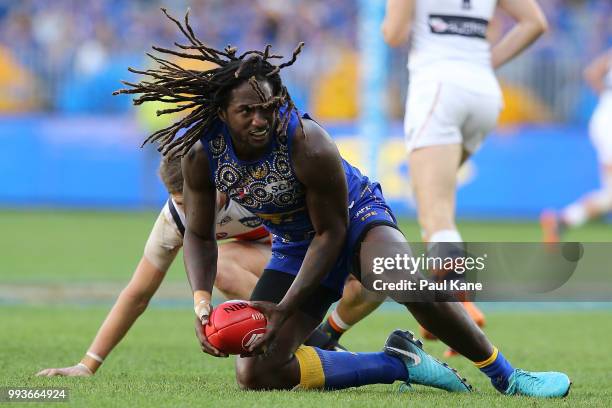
(597, 203)
(240, 263)
(454, 100)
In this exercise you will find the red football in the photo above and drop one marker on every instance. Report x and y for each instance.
(234, 325)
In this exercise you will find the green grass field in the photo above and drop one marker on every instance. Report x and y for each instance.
(159, 362)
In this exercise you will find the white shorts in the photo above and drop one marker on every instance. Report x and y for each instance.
(600, 130)
(443, 113)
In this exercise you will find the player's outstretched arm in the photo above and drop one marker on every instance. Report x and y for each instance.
(318, 166)
(397, 23)
(200, 244)
(530, 24)
(597, 70)
(130, 304)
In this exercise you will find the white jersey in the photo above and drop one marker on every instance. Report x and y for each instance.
(166, 238)
(449, 44)
(233, 221)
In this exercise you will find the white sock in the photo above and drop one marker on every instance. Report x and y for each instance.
(335, 317)
(602, 200)
(449, 235)
(574, 215)
(436, 245)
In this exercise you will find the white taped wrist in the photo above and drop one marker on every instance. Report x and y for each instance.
(89, 370)
(202, 309)
(96, 357)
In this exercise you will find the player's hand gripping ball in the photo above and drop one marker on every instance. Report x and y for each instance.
(233, 326)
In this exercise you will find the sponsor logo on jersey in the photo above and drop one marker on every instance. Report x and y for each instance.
(278, 187)
(259, 172)
(458, 25)
(225, 220)
(368, 215)
(250, 222)
(362, 210)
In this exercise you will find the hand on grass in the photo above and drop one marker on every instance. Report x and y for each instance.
(78, 370)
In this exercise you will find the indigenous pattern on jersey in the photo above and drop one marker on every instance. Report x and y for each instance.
(232, 221)
(269, 188)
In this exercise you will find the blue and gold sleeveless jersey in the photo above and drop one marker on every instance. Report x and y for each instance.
(269, 188)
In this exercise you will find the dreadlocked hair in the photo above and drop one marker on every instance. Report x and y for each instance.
(206, 92)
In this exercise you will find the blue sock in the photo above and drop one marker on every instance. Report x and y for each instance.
(498, 369)
(346, 369)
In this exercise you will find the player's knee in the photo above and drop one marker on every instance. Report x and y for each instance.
(352, 294)
(249, 377)
(227, 276)
(139, 300)
(247, 381)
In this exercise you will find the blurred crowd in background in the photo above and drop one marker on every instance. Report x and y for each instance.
(67, 56)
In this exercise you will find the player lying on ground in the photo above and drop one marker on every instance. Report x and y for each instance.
(240, 264)
(245, 138)
(454, 98)
(597, 203)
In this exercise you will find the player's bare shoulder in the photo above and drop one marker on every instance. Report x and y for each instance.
(196, 155)
(314, 151)
(196, 169)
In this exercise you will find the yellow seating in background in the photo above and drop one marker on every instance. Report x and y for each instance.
(17, 84)
(522, 106)
(334, 96)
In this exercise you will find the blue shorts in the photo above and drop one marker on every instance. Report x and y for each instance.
(368, 210)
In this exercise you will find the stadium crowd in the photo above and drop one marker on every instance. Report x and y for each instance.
(67, 55)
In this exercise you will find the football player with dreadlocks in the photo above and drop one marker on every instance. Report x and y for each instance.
(245, 138)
